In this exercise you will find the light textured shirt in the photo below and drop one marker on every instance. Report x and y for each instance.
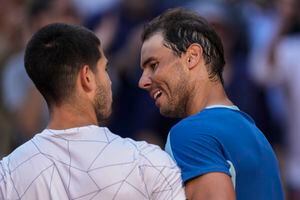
(88, 163)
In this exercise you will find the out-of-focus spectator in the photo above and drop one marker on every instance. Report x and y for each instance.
(262, 22)
(280, 65)
(10, 42)
(10, 27)
(22, 101)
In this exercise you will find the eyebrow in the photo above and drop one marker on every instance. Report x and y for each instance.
(147, 61)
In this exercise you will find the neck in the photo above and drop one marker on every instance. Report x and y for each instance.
(212, 93)
(71, 115)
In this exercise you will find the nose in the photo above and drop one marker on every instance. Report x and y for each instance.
(145, 81)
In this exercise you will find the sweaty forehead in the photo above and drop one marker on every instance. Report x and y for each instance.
(153, 47)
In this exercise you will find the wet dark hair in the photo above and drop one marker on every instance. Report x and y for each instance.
(181, 28)
(54, 56)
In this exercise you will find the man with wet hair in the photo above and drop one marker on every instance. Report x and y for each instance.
(221, 152)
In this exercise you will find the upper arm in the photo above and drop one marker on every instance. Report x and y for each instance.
(210, 186)
(197, 154)
(206, 170)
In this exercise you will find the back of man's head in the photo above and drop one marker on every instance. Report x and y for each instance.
(54, 56)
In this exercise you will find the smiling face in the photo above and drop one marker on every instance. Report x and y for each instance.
(165, 77)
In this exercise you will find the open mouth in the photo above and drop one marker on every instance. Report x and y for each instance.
(157, 94)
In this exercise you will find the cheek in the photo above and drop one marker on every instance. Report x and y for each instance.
(162, 75)
(104, 80)
(107, 79)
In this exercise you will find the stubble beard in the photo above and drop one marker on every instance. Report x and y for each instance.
(177, 103)
(176, 107)
(101, 107)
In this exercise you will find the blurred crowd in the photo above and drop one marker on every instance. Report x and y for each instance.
(261, 39)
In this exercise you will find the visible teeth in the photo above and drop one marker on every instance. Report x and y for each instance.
(157, 94)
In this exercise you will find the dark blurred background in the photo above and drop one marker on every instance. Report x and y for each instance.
(262, 74)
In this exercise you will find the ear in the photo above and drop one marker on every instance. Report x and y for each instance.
(87, 78)
(194, 55)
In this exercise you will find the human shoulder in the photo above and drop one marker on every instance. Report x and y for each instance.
(159, 174)
(27, 152)
(162, 177)
(209, 128)
(150, 154)
(209, 121)
(20, 168)
(199, 123)
(196, 131)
